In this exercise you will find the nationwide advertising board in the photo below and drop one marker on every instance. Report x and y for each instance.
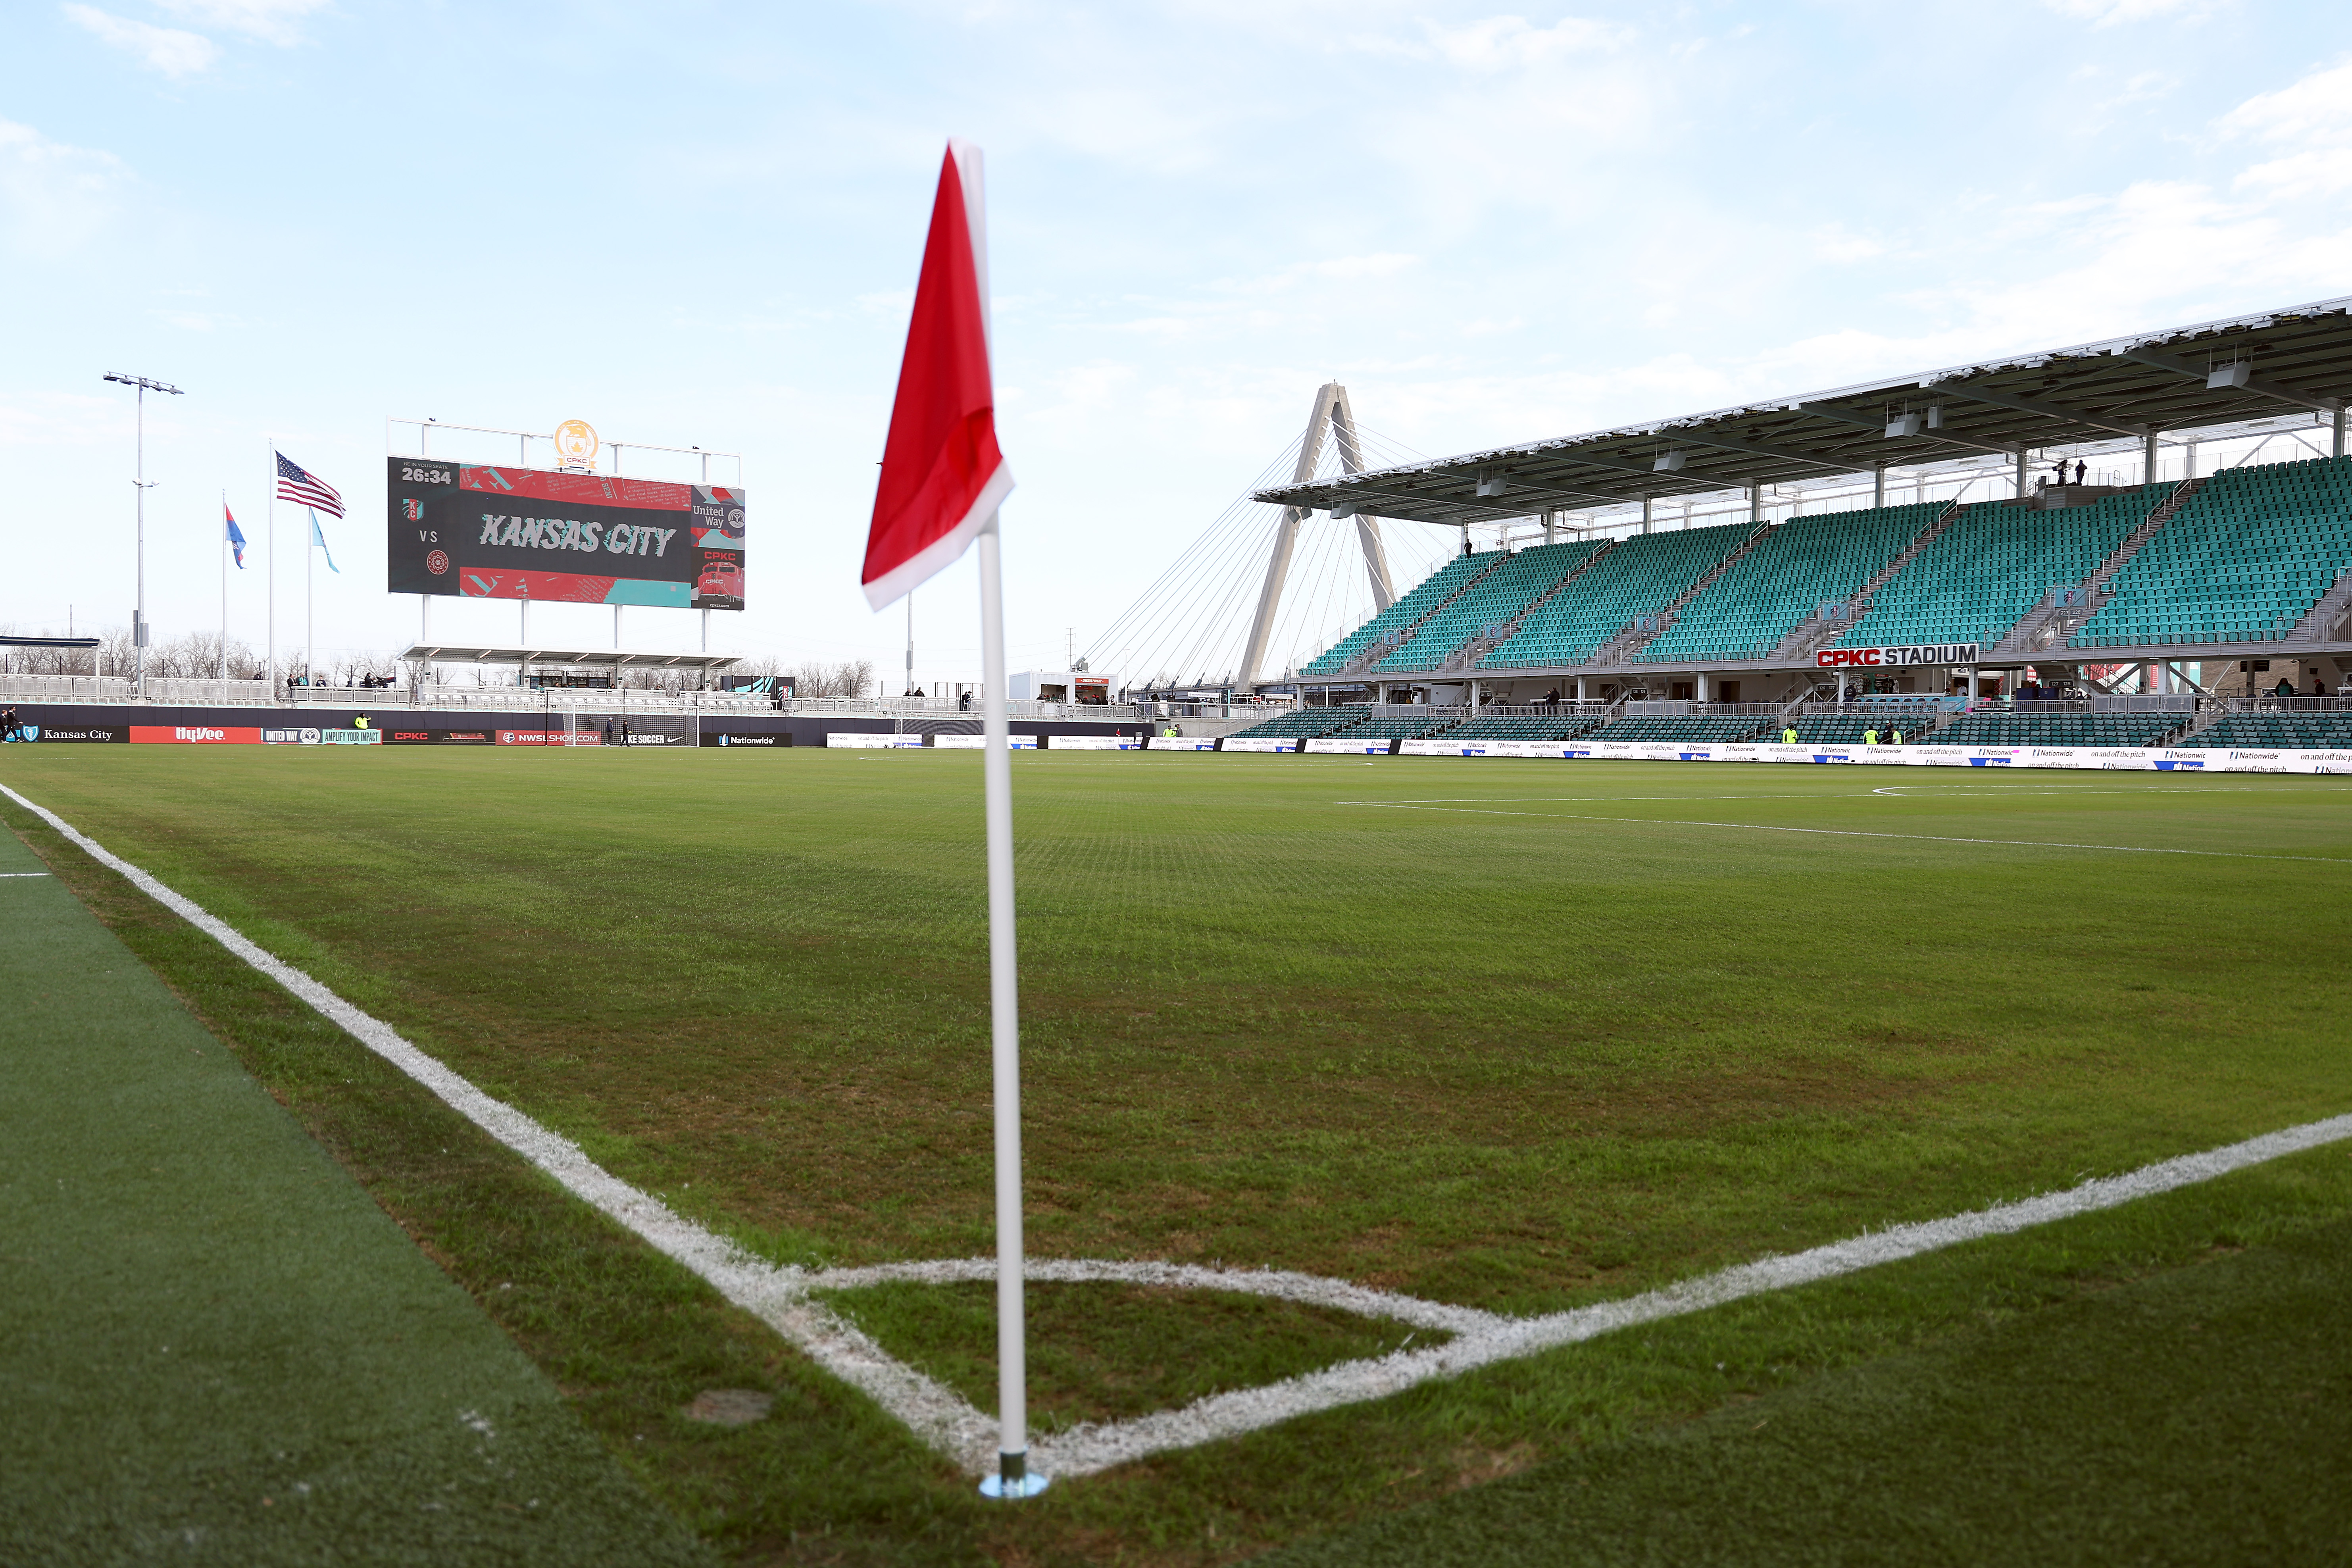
(480, 530)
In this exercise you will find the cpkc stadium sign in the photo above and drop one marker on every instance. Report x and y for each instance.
(1879, 658)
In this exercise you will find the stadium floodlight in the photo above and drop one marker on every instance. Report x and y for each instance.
(1903, 424)
(1491, 481)
(1668, 463)
(2225, 377)
(139, 635)
(1343, 511)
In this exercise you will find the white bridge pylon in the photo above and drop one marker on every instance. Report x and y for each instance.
(1333, 415)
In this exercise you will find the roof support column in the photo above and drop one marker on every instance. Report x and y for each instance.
(1755, 505)
(1550, 518)
(2020, 473)
(2339, 430)
(2189, 469)
(1878, 485)
(1647, 503)
(2147, 457)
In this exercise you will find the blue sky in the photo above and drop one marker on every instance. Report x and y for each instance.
(699, 224)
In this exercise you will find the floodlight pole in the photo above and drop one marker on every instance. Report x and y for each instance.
(138, 614)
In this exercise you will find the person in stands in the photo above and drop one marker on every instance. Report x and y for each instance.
(1897, 738)
(1870, 736)
(1788, 736)
(2081, 468)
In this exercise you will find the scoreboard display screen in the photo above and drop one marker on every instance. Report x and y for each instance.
(483, 530)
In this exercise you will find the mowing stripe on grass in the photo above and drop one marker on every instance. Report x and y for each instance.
(214, 1347)
(1852, 833)
(779, 1295)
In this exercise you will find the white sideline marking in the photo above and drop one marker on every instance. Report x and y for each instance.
(779, 1295)
(1856, 833)
(4, 874)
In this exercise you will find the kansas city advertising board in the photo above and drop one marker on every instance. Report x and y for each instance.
(482, 530)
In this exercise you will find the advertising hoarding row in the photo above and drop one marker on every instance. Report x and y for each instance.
(482, 530)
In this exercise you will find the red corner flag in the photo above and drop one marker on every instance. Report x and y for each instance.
(942, 476)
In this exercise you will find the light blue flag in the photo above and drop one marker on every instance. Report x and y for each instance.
(320, 541)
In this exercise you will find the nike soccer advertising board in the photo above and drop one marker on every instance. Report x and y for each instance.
(478, 530)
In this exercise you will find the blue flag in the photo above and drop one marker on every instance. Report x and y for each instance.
(320, 541)
(236, 537)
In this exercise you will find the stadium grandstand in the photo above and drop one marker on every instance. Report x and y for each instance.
(2165, 516)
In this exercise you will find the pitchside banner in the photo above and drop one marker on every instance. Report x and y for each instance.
(1950, 654)
(480, 532)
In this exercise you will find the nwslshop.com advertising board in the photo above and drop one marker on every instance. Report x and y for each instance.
(479, 531)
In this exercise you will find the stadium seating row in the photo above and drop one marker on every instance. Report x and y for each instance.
(1994, 564)
(2306, 732)
(2243, 560)
(2250, 553)
(1498, 596)
(1639, 576)
(1430, 592)
(1792, 572)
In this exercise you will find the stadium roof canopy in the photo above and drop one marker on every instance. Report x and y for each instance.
(2171, 384)
(589, 658)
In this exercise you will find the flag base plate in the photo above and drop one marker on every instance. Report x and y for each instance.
(1029, 1484)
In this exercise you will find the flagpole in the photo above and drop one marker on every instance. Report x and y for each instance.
(224, 550)
(310, 603)
(1013, 1478)
(271, 659)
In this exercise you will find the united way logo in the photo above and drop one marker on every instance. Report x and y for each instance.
(438, 563)
(412, 510)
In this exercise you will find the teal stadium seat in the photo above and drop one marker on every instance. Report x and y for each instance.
(1639, 576)
(1759, 600)
(1500, 595)
(1993, 565)
(2242, 561)
(1430, 592)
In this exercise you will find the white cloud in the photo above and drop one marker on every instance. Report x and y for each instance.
(166, 49)
(2116, 13)
(53, 196)
(1501, 43)
(269, 20)
(2317, 108)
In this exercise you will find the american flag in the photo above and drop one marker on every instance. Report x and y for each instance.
(296, 483)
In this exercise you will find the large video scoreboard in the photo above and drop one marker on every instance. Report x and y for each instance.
(481, 530)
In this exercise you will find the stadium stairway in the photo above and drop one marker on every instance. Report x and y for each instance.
(2051, 622)
(2244, 560)
(1490, 638)
(1381, 635)
(1495, 599)
(1628, 644)
(1631, 580)
(1784, 577)
(1816, 631)
(2320, 625)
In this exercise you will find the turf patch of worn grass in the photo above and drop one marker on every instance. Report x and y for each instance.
(2202, 1415)
(1539, 1034)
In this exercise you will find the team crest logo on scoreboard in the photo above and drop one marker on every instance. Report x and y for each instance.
(437, 563)
(575, 442)
(412, 510)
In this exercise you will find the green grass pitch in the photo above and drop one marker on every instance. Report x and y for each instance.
(1520, 1035)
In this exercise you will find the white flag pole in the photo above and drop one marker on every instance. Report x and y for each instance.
(224, 553)
(271, 659)
(1013, 1478)
(310, 601)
